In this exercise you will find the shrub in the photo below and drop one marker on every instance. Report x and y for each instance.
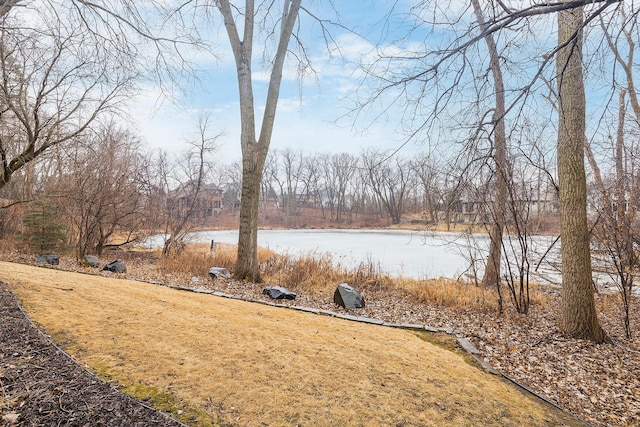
(43, 231)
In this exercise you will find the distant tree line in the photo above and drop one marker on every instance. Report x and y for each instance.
(427, 189)
(104, 188)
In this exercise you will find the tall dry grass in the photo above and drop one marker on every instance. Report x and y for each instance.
(451, 293)
(196, 260)
(317, 273)
(312, 272)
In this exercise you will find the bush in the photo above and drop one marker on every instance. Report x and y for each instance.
(43, 231)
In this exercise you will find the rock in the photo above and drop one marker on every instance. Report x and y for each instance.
(116, 266)
(278, 292)
(466, 344)
(347, 297)
(48, 259)
(92, 261)
(216, 272)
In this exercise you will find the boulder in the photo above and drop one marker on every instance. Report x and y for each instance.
(347, 297)
(278, 292)
(48, 259)
(92, 261)
(219, 272)
(116, 266)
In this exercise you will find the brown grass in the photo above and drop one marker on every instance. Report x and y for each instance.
(315, 273)
(251, 365)
(197, 258)
(464, 295)
(449, 293)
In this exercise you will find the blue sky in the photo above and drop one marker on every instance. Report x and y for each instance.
(309, 109)
(308, 112)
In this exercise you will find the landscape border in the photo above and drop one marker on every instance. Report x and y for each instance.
(462, 341)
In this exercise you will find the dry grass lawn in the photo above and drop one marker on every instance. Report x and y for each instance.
(238, 363)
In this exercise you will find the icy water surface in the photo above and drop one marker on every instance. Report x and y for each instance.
(397, 252)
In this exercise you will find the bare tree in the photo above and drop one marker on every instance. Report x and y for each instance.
(7, 5)
(618, 192)
(56, 81)
(389, 179)
(231, 180)
(329, 189)
(67, 64)
(617, 205)
(338, 170)
(254, 146)
(98, 189)
(285, 170)
(578, 313)
(273, 185)
(523, 203)
(491, 276)
(294, 169)
(427, 175)
(431, 82)
(451, 188)
(183, 201)
(312, 180)
(151, 34)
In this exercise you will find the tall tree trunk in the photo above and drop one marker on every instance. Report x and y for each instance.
(254, 150)
(247, 263)
(578, 317)
(623, 219)
(491, 276)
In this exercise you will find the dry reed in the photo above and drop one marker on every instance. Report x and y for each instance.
(318, 273)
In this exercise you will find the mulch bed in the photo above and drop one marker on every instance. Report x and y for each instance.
(42, 385)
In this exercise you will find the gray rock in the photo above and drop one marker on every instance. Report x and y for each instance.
(216, 272)
(347, 297)
(116, 266)
(466, 344)
(92, 261)
(278, 292)
(48, 259)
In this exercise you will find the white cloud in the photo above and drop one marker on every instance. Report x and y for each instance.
(306, 111)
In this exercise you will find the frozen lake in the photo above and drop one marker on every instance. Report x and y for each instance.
(398, 252)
